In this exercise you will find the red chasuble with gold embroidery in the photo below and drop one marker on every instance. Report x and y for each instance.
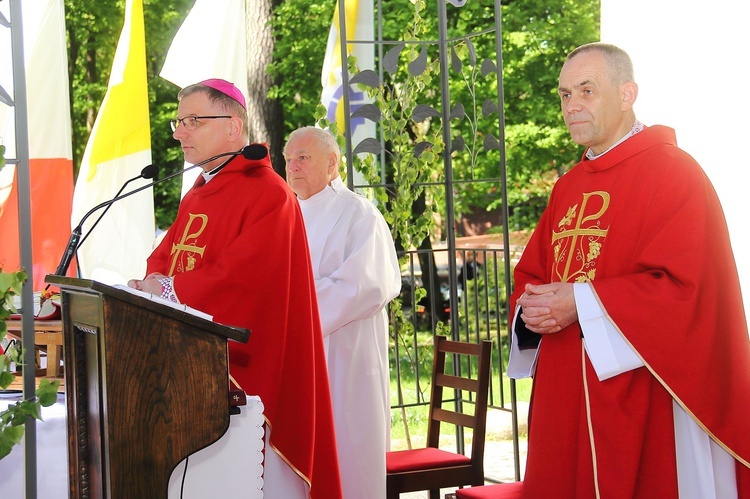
(238, 251)
(643, 224)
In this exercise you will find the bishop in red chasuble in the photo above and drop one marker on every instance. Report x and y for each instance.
(238, 251)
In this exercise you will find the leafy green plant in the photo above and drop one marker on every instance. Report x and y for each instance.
(13, 418)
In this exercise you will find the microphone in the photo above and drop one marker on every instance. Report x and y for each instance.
(251, 152)
(75, 240)
(147, 173)
(255, 151)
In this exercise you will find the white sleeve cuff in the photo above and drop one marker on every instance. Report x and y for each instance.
(608, 351)
(522, 363)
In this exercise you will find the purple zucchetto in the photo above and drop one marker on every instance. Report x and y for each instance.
(226, 88)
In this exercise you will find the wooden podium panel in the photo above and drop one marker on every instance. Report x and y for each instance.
(146, 385)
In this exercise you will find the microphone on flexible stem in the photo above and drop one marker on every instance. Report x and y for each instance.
(75, 240)
(252, 152)
(147, 173)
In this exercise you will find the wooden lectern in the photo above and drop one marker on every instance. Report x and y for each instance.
(146, 385)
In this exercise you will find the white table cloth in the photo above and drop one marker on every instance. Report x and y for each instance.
(232, 467)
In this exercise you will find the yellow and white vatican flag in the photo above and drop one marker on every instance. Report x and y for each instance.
(222, 56)
(50, 145)
(119, 147)
(359, 27)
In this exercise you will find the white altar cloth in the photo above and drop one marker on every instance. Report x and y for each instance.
(51, 454)
(232, 467)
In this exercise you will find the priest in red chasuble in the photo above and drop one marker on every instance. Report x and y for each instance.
(628, 312)
(238, 251)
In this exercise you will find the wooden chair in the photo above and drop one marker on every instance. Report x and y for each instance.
(432, 468)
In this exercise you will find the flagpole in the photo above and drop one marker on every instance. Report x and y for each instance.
(24, 215)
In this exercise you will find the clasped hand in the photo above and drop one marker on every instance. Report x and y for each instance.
(548, 308)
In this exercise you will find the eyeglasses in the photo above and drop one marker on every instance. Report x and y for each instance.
(191, 122)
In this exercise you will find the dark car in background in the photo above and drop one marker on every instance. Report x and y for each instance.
(480, 272)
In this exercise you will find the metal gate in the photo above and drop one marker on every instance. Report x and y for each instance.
(451, 285)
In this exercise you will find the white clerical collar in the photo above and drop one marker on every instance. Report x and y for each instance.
(637, 127)
(319, 197)
(207, 176)
(336, 183)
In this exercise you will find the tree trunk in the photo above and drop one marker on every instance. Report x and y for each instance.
(266, 122)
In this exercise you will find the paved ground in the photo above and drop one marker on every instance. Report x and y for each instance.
(498, 450)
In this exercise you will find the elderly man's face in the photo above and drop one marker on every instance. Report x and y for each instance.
(309, 168)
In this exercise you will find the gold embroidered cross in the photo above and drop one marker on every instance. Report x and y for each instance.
(579, 230)
(178, 248)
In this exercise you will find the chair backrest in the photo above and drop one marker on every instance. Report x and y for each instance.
(468, 359)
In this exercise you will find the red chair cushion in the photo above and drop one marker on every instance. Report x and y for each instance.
(510, 490)
(419, 459)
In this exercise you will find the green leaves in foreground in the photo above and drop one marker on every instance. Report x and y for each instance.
(13, 418)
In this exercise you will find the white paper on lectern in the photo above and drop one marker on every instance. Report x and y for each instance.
(159, 299)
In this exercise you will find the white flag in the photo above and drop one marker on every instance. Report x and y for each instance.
(222, 56)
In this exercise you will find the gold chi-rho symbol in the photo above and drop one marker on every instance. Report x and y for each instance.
(194, 228)
(579, 239)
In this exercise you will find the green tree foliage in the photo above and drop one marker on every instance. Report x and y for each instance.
(536, 35)
(298, 60)
(92, 30)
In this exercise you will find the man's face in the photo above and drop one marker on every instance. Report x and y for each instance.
(592, 105)
(309, 168)
(210, 136)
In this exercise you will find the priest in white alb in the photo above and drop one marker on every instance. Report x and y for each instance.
(356, 274)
